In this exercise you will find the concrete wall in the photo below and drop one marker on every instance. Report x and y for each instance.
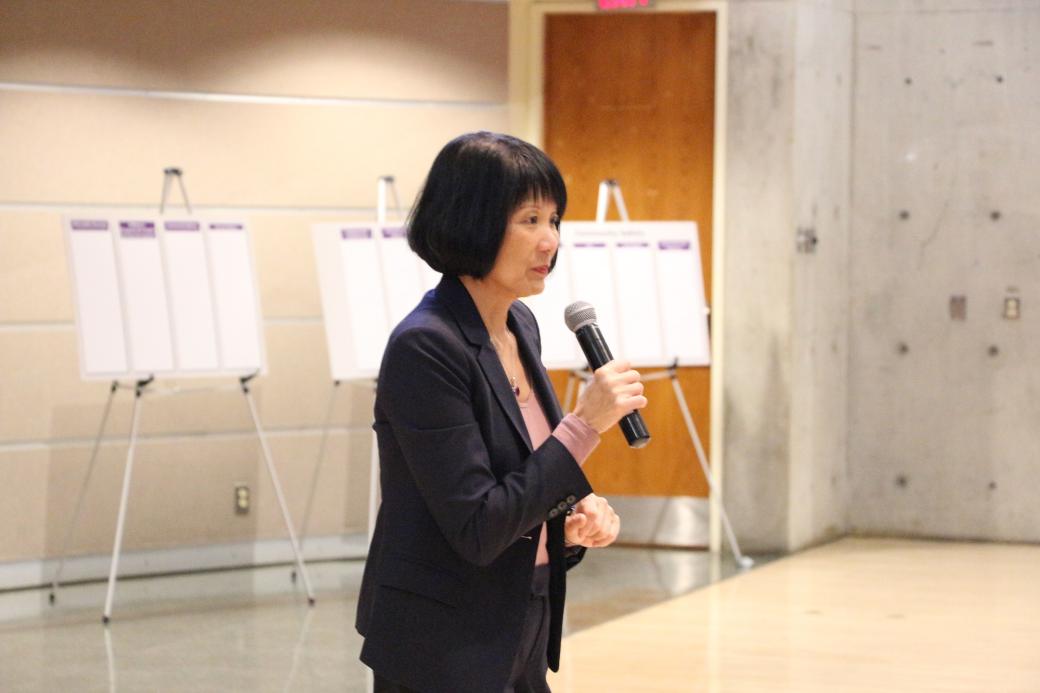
(785, 328)
(818, 491)
(286, 113)
(946, 177)
(854, 402)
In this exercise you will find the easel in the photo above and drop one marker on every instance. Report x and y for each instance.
(141, 388)
(611, 189)
(386, 189)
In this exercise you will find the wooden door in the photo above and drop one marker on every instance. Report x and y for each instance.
(632, 97)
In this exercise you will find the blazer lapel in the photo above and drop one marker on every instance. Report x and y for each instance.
(457, 298)
(496, 375)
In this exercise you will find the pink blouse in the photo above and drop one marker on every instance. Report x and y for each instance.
(578, 437)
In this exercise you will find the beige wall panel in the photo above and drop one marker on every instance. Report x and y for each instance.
(35, 284)
(111, 150)
(405, 49)
(41, 394)
(23, 498)
(166, 475)
(34, 278)
(182, 494)
(69, 148)
(341, 499)
(296, 389)
(43, 398)
(285, 264)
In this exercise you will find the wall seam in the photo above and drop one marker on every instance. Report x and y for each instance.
(854, 63)
(120, 440)
(228, 97)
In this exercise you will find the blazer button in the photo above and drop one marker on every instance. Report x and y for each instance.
(571, 500)
(562, 506)
(553, 513)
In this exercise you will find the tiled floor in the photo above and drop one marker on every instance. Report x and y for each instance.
(251, 630)
(857, 615)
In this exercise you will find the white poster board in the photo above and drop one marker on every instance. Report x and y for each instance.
(644, 278)
(370, 279)
(239, 322)
(145, 301)
(163, 296)
(191, 295)
(645, 281)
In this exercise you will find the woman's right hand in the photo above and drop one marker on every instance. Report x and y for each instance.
(613, 392)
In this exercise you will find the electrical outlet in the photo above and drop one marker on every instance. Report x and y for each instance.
(242, 499)
(1012, 308)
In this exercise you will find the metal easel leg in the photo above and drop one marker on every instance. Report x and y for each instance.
(300, 567)
(742, 560)
(317, 468)
(106, 616)
(82, 492)
(576, 382)
(110, 656)
(298, 651)
(168, 173)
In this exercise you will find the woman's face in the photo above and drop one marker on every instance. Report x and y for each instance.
(531, 239)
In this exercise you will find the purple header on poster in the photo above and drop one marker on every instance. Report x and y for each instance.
(89, 225)
(590, 245)
(355, 234)
(394, 233)
(137, 229)
(181, 225)
(225, 226)
(674, 245)
(633, 244)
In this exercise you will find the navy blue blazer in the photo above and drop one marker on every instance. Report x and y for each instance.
(449, 571)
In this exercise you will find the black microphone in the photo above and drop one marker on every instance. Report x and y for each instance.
(581, 320)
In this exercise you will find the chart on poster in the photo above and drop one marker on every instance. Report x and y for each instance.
(643, 278)
(369, 280)
(646, 282)
(171, 297)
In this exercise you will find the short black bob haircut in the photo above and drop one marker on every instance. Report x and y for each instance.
(474, 185)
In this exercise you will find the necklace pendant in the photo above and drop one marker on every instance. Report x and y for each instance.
(516, 388)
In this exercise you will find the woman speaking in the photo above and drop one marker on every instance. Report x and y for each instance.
(484, 503)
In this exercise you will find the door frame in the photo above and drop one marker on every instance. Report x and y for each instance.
(526, 106)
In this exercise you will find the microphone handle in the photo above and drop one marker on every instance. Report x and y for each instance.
(634, 428)
(597, 353)
(595, 348)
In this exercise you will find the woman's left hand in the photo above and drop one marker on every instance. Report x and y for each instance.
(593, 523)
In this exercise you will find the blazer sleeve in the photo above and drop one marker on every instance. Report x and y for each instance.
(425, 387)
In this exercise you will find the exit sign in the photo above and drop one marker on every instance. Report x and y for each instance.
(608, 5)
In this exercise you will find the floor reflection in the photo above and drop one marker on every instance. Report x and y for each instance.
(251, 630)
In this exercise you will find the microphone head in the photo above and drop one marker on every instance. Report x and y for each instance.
(578, 315)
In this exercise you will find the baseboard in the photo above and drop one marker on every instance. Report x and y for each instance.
(38, 573)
